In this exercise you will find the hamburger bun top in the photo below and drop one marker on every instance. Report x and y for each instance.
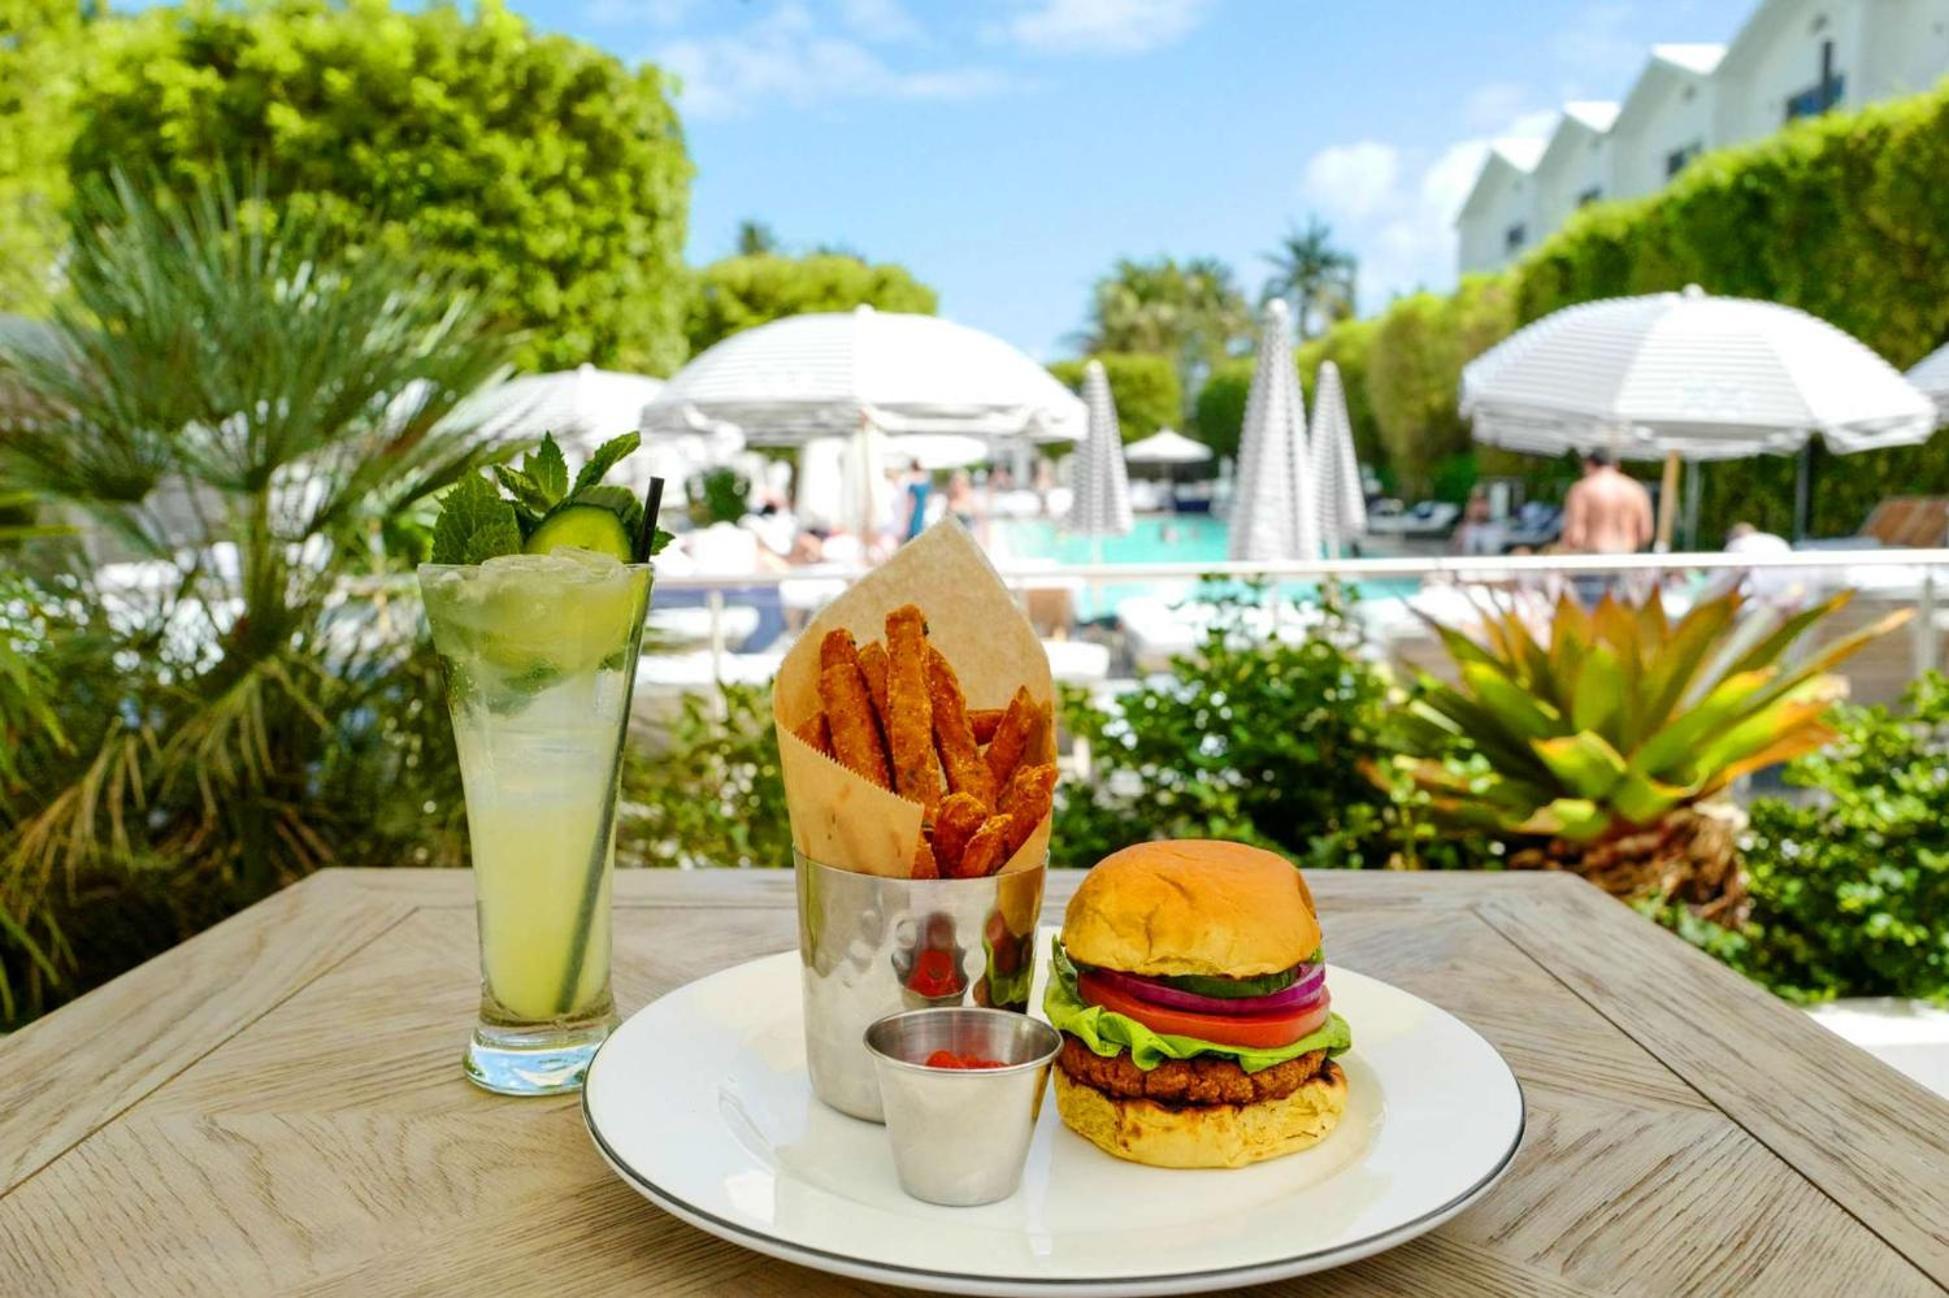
(1192, 906)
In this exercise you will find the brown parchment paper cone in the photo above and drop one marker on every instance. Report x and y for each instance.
(842, 820)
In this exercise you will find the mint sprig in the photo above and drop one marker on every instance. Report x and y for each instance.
(477, 522)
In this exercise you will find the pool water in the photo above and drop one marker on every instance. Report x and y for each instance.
(1155, 538)
(1177, 538)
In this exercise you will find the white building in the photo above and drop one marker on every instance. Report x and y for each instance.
(1793, 58)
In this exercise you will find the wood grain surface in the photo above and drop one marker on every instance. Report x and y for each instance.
(277, 1107)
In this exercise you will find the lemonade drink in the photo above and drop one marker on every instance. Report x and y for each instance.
(539, 651)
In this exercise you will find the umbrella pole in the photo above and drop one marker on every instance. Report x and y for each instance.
(1803, 487)
(1668, 503)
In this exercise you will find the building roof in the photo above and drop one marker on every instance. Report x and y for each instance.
(1596, 114)
(1699, 60)
(1515, 156)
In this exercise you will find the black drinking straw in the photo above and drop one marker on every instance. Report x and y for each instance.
(652, 505)
(599, 850)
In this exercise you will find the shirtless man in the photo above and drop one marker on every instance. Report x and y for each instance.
(1607, 512)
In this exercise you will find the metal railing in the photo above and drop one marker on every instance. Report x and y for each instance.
(720, 589)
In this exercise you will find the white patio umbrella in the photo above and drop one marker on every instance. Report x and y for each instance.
(1166, 446)
(796, 378)
(1273, 501)
(937, 451)
(582, 407)
(1932, 377)
(1687, 376)
(1101, 505)
(1336, 469)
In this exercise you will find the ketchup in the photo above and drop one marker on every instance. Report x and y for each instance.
(948, 1059)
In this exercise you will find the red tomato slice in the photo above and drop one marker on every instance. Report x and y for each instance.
(1253, 1031)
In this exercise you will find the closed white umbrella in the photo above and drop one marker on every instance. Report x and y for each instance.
(1101, 506)
(1689, 376)
(796, 378)
(1166, 446)
(1336, 469)
(1273, 502)
(1932, 377)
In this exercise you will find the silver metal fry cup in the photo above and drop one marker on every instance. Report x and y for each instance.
(961, 1135)
(870, 946)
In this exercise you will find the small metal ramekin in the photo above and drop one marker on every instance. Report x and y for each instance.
(961, 1136)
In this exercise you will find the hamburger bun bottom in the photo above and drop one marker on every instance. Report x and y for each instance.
(1222, 1135)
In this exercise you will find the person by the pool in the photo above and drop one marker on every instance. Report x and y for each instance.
(920, 485)
(1606, 512)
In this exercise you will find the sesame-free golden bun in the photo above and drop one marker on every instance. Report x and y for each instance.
(1225, 1135)
(1192, 906)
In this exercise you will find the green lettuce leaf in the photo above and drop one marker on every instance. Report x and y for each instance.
(1107, 1032)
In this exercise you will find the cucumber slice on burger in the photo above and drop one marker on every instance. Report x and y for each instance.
(603, 519)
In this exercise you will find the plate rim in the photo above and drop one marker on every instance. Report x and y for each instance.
(1205, 1279)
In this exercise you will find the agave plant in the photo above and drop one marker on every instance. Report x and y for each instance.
(245, 416)
(1603, 738)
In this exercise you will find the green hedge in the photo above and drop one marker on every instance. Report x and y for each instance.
(1843, 216)
(1145, 388)
(740, 293)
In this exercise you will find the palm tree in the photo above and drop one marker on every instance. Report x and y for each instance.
(1192, 313)
(1315, 277)
(259, 419)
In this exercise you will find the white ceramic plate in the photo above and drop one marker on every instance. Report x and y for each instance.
(700, 1101)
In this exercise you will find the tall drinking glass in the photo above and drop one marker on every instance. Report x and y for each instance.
(540, 654)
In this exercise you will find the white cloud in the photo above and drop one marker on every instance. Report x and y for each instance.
(1357, 180)
(1395, 208)
(882, 21)
(785, 57)
(1105, 27)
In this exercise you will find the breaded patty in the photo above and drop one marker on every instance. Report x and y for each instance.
(1201, 1080)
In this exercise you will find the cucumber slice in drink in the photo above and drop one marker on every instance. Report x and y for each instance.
(586, 527)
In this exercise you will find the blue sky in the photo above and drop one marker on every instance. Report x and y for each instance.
(1008, 150)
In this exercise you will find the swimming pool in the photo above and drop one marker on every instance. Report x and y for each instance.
(1168, 538)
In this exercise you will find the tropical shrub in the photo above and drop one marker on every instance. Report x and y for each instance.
(539, 171)
(740, 293)
(1598, 736)
(1851, 886)
(1144, 387)
(219, 398)
(710, 794)
(1279, 743)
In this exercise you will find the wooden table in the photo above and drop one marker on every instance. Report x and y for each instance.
(277, 1106)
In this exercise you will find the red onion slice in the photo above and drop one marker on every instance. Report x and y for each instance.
(1304, 992)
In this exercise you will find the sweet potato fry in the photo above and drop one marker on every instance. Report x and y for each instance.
(849, 710)
(983, 721)
(910, 712)
(984, 854)
(924, 864)
(1029, 797)
(816, 731)
(873, 661)
(1012, 737)
(960, 757)
(959, 816)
